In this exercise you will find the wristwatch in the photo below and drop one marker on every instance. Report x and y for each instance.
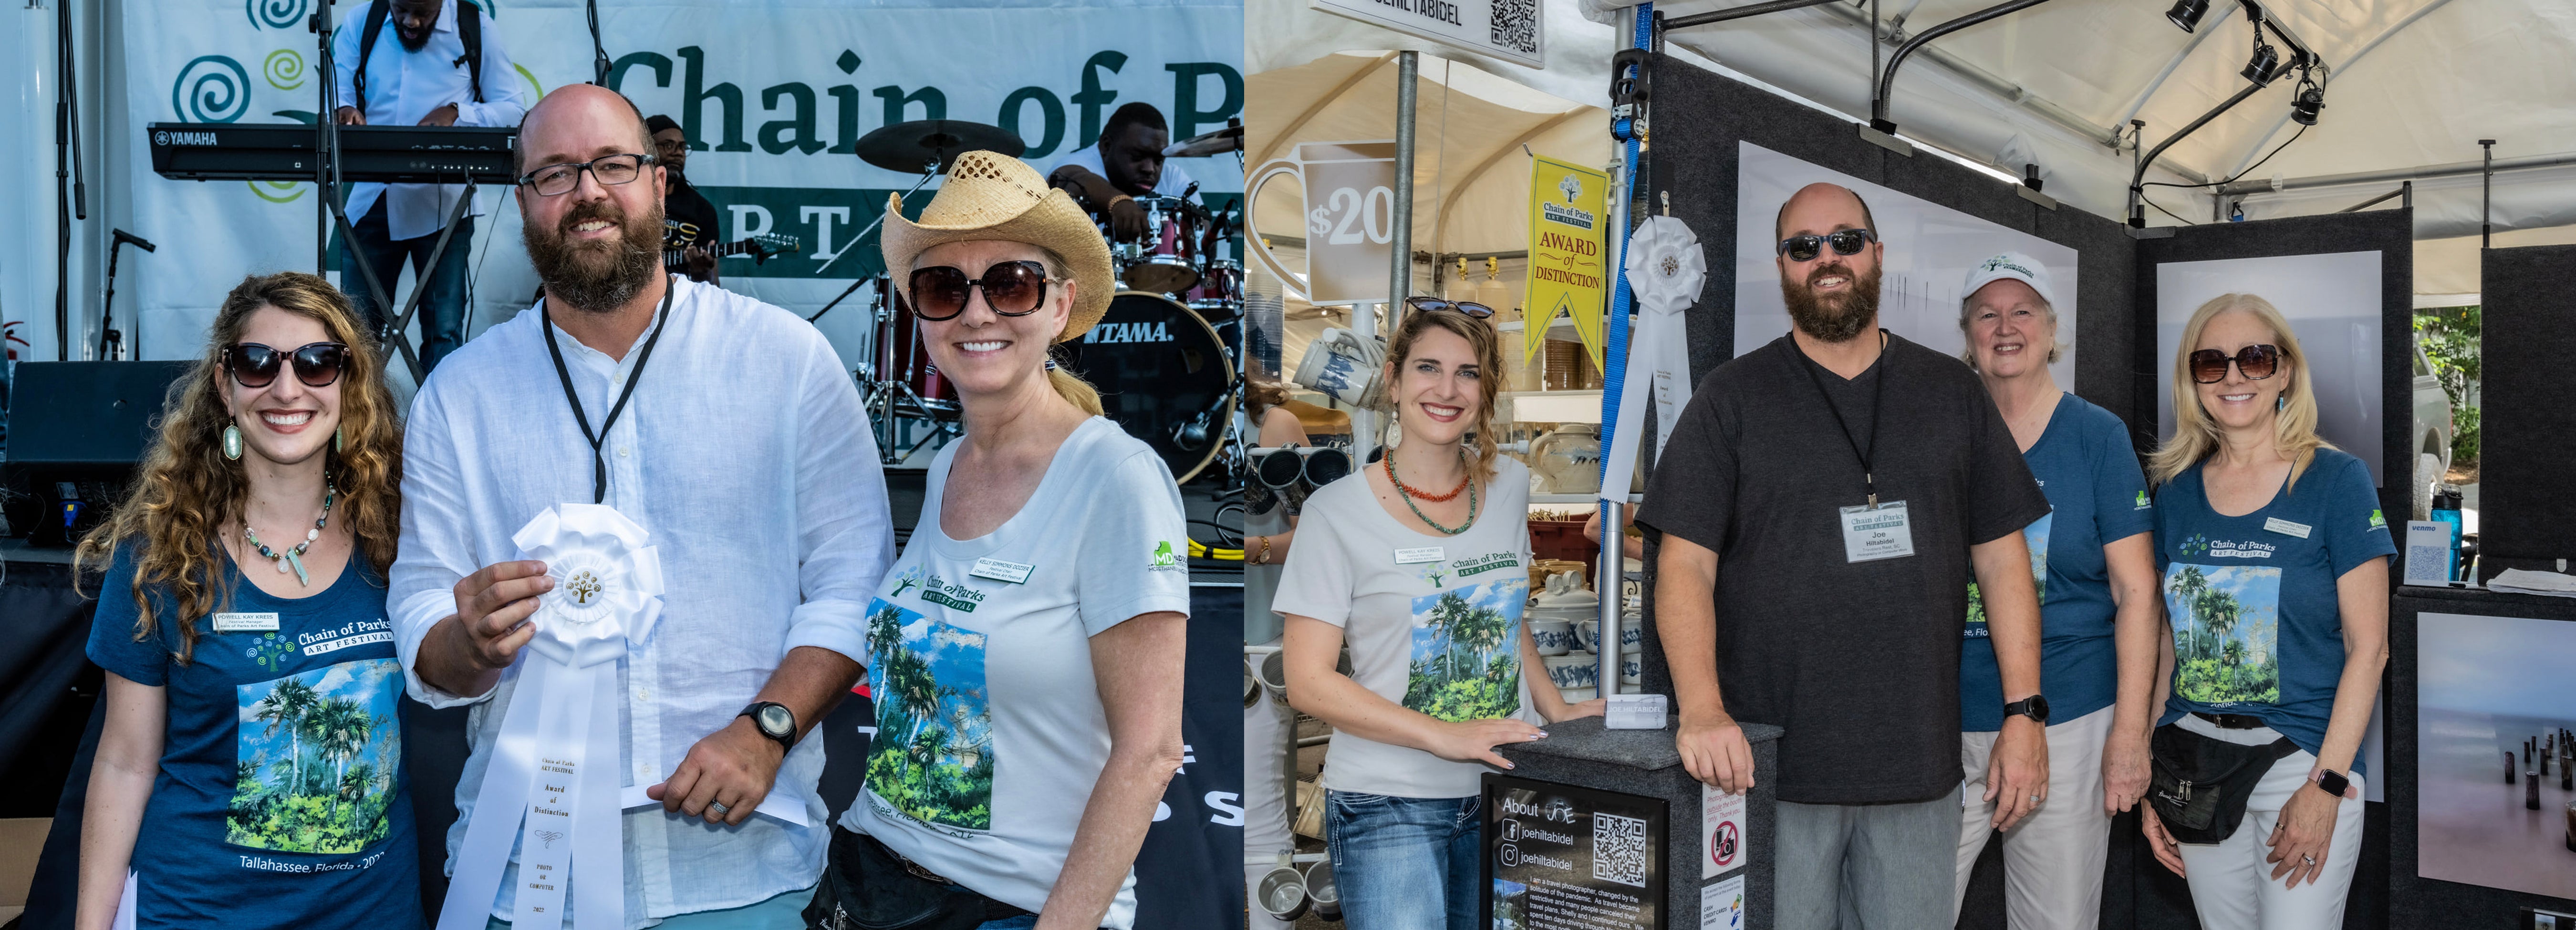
(774, 720)
(2333, 782)
(2034, 707)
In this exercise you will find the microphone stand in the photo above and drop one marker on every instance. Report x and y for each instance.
(327, 183)
(71, 193)
(107, 336)
(598, 51)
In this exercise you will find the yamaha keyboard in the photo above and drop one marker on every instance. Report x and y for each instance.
(291, 152)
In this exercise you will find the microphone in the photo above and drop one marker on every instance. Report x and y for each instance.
(136, 241)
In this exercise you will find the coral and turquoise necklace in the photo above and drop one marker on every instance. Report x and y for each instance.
(1408, 494)
(293, 559)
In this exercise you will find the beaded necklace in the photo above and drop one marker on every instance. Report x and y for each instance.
(1467, 484)
(293, 559)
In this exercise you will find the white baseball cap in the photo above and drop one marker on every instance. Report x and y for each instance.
(2012, 265)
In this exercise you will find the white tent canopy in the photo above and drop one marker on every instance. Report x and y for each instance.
(2411, 84)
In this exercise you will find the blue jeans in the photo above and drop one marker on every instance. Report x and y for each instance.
(1405, 863)
(442, 307)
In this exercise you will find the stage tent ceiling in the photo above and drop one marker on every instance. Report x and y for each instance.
(2412, 85)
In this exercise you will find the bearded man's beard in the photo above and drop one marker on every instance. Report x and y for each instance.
(1832, 317)
(597, 275)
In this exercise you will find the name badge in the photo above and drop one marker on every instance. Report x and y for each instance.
(1873, 533)
(1421, 555)
(998, 570)
(2285, 527)
(245, 623)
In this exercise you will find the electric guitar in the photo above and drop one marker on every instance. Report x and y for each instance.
(759, 247)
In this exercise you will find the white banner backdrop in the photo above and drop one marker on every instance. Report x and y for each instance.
(774, 92)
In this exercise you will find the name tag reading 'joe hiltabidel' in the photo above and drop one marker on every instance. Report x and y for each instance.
(1421, 555)
(1876, 531)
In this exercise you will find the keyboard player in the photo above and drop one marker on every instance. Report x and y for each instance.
(415, 67)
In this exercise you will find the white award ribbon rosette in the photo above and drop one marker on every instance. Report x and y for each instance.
(553, 784)
(1666, 268)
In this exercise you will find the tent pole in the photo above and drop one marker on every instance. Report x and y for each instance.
(1400, 277)
(2486, 197)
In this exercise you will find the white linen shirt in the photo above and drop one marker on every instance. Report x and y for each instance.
(403, 86)
(745, 453)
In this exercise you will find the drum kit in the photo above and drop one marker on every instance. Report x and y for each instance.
(1163, 356)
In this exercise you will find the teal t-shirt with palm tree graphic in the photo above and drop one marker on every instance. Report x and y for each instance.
(2252, 599)
(281, 799)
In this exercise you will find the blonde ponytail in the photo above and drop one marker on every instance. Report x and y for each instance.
(1071, 387)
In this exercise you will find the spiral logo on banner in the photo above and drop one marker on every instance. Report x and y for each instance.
(276, 14)
(211, 89)
(284, 69)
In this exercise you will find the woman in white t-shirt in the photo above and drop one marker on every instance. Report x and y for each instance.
(1025, 652)
(1421, 564)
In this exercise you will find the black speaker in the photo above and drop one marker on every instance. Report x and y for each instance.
(76, 431)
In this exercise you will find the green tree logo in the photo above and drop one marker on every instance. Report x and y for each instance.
(910, 579)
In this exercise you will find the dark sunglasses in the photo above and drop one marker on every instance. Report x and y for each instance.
(1845, 242)
(2209, 366)
(1010, 288)
(1470, 308)
(255, 366)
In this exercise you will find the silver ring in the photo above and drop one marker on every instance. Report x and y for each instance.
(2311, 860)
(2034, 799)
(717, 808)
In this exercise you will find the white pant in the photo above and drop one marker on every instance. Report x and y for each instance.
(2231, 885)
(2053, 858)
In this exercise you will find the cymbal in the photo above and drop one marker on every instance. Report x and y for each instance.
(911, 147)
(1229, 139)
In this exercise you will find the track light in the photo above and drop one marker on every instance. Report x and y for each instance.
(2266, 62)
(2311, 99)
(2186, 14)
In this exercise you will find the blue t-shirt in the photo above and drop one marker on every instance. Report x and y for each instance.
(2096, 496)
(2257, 627)
(281, 800)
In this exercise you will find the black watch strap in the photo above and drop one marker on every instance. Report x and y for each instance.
(2333, 782)
(767, 717)
(2034, 707)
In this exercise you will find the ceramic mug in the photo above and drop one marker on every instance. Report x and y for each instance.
(1573, 671)
(1587, 635)
(1632, 639)
(1554, 637)
(1632, 670)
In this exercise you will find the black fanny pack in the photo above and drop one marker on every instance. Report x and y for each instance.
(866, 886)
(2200, 786)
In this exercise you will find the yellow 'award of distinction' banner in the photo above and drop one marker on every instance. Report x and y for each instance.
(1568, 273)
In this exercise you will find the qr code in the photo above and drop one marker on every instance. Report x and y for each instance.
(1619, 849)
(1515, 25)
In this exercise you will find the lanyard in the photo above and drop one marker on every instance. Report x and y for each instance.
(599, 466)
(1878, 402)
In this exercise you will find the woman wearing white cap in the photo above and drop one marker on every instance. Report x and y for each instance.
(1025, 651)
(2100, 616)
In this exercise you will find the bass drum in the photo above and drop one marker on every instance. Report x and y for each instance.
(1163, 376)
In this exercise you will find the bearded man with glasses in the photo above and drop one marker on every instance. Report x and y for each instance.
(1824, 505)
(728, 430)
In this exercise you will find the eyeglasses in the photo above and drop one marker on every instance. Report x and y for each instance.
(1470, 308)
(1010, 288)
(554, 180)
(2209, 366)
(255, 366)
(1845, 242)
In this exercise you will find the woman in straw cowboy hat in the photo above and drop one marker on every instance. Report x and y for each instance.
(1026, 650)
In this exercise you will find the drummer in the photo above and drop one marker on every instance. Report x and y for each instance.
(1128, 163)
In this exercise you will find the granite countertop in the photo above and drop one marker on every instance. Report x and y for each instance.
(1586, 739)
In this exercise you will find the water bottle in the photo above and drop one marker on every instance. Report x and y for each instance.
(2446, 509)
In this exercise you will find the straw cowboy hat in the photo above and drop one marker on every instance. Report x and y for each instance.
(989, 196)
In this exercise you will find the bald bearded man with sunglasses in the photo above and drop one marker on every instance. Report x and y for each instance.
(1820, 527)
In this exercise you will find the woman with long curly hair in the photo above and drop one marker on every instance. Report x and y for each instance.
(253, 696)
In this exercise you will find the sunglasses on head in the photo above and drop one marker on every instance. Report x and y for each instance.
(1011, 288)
(2209, 366)
(1470, 308)
(1845, 242)
(316, 364)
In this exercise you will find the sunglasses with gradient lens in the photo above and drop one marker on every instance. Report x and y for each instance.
(2209, 366)
(1844, 241)
(316, 364)
(1470, 308)
(1011, 288)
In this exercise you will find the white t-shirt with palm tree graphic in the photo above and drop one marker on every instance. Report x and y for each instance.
(990, 731)
(1433, 622)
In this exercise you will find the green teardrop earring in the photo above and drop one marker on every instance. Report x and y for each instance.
(232, 442)
(339, 443)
